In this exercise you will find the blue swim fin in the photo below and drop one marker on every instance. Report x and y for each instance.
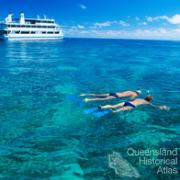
(99, 114)
(91, 110)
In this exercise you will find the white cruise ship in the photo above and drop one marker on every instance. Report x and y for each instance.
(29, 28)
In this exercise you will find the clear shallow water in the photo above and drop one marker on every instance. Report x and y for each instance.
(44, 135)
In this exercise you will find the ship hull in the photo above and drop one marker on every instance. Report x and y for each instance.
(31, 37)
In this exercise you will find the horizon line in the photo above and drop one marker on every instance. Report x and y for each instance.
(73, 37)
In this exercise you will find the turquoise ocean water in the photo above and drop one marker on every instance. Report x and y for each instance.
(46, 135)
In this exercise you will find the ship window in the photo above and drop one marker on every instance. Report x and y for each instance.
(33, 32)
(25, 32)
(17, 32)
(14, 25)
(49, 32)
(43, 32)
(57, 32)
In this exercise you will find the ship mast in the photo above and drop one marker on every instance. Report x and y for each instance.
(8, 19)
(22, 18)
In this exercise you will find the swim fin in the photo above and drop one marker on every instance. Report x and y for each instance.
(99, 114)
(91, 110)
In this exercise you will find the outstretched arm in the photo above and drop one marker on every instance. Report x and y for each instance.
(166, 108)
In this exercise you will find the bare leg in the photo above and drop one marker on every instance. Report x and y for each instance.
(95, 95)
(127, 108)
(99, 99)
(112, 106)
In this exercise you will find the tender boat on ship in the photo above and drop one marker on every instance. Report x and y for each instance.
(29, 28)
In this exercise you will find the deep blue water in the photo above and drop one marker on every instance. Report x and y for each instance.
(45, 135)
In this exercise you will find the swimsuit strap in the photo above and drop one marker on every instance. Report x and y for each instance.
(137, 92)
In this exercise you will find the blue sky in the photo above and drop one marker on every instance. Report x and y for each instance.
(137, 19)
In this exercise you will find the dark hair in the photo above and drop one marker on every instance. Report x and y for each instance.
(148, 98)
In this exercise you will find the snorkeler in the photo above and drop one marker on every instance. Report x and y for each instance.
(129, 105)
(112, 95)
